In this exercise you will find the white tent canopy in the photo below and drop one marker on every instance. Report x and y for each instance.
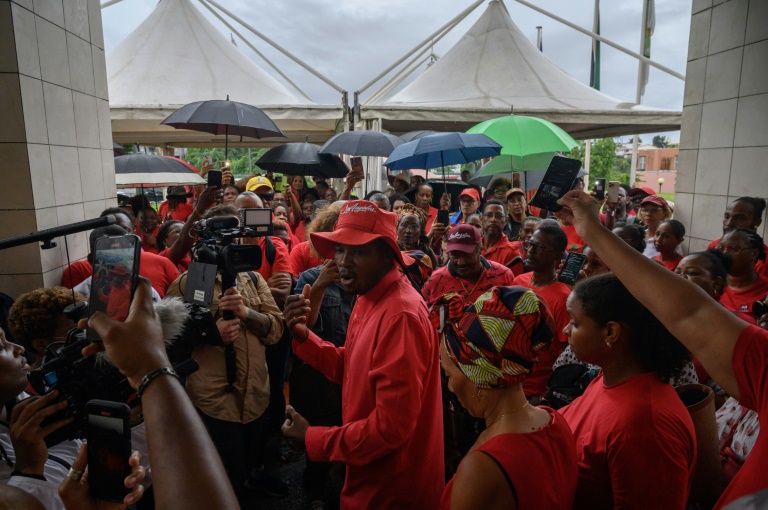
(495, 70)
(176, 56)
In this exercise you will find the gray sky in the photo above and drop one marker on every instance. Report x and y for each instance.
(351, 41)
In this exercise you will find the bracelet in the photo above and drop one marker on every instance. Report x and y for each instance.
(154, 374)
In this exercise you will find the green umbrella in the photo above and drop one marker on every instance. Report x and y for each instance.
(531, 142)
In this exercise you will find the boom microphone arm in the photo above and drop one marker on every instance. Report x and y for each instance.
(47, 236)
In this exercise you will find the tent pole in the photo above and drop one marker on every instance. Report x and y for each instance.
(278, 47)
(251, 46)
(600, 38)
(387, 88)
(455, 20)
(638, 98)
(110, 2)
(226, 142)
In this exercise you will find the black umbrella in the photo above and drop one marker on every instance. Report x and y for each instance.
(362, 143)
(117, 149)
(139, 170)
(224, 118)
(415, 135)
(302, 159)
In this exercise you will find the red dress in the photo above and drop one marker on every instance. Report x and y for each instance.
(525, 457)
(750, 365)
(392, 434)
(635, 445)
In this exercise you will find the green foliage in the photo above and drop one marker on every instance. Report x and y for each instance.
(238, 159)
(601, 160)
(660, 141)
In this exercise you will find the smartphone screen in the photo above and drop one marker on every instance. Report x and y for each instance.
(109, 447)
(557, 181)
(115, 270)
(214, 178)
(443, 217)
(599, 189)
(573, 263)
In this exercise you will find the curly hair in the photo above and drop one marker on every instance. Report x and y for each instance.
(162, 233)
(36, 313)
(605, 299)
(324, 221)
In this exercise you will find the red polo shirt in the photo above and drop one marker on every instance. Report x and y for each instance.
(302, 259)
(431, 215)
(502, 251)
(392, 434)
(575, 242)
(445, 280)
(742, 300)
(76, 273)
(554, 295)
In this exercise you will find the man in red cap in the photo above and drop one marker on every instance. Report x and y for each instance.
(467, 272)
(392, 434)
(469, 201)
(637, 195)
(517, 208)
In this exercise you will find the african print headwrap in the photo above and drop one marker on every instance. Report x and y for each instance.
(416, 211)
(495, 341)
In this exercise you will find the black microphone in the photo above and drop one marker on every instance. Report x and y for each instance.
(219, 223)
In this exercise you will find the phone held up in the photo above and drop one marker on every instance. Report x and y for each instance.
(573, 264)
(115, 274)
(109, 448)
(613, 191)
(443, 217)
(558, 180)
(357, 164)
(599, 189)
(214, 178)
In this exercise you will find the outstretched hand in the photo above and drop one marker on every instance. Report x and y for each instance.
(582, 207)
(296, 313)
(136, 346)
(295, 425)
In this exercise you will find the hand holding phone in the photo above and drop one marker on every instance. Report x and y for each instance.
(443, 217)
(569, 274)
(612, 195)
(109, 449)
(215, 177)
(558, 180)
(357, 164)
(599, 189)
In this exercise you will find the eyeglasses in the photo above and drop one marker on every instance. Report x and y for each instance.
(279, 200)
(535, 247)
(733, 248)
(494, 216)
(652, 210)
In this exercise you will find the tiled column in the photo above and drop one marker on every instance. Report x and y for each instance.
(56, 162)
(724, 136)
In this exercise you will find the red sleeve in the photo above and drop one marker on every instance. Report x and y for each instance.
(298, 259)
(75, 274)
(398, 371)
(282, 262)
(750, 365)
(322, 356)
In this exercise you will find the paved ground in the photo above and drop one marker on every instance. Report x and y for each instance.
(290, 471)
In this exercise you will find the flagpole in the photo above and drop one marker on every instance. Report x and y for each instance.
(594, 82)
(638, 93)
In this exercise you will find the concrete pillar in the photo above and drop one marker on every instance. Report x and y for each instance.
(56, 161)
(723, 139)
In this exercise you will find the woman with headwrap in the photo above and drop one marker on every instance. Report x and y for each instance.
(526, 456)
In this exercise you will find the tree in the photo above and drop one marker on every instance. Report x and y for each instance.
(238, 159)
(602, 157)
(660, 141)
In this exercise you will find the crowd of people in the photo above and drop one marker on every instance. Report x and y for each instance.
(422, 352)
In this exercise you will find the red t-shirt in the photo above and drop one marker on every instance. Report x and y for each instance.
(635, 445)
(281, 263)
(302, 259)
(76, 273)
(742, 300)
(443, 281)
(575, 242)
(503, 252)
(554, 295)
(183, 265)
(750, 365)
(391, 437)
(160, 271)
(760, 266)
(431, 216)
(524, 457)
(301, 231)
(182, 212)
(669, 264)
(149, 247)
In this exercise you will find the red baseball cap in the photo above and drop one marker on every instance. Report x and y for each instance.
(513, 191)
(464, 238)
(655, 200)
(643, 189)
(470, 192)
(360, 222)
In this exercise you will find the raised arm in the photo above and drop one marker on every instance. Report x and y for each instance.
(186, 469)
(296, 212)
(207, 199)
(705, 327)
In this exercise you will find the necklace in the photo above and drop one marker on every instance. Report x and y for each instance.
(469, 292)
(502, 415)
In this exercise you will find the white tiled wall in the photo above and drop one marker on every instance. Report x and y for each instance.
(55, 139)
(724, 138)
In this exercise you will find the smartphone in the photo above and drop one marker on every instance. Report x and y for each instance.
(599, 189)
(278, 178)
(214, 178)
(115, 273)
(613, 191)
(558, 180)
(443, 217)
(357, 164)
(573, 263)
(109, 448)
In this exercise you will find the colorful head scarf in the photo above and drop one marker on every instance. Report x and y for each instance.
(416, 211)
(495, 341)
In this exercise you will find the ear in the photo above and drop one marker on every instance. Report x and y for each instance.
(39, 345)
(717, 286)
(612, 331)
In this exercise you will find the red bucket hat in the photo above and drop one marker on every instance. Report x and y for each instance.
(360, 222)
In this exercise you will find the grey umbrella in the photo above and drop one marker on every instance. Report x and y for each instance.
(362, 143)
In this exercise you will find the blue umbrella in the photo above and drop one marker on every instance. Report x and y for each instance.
(442, 149)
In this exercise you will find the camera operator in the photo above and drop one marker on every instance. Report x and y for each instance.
(234, 415)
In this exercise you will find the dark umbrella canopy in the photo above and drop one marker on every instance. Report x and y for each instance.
(362, 143)
(139, 170)
(415, 135)
(302, 159)
(224, 118)
(442, 149)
